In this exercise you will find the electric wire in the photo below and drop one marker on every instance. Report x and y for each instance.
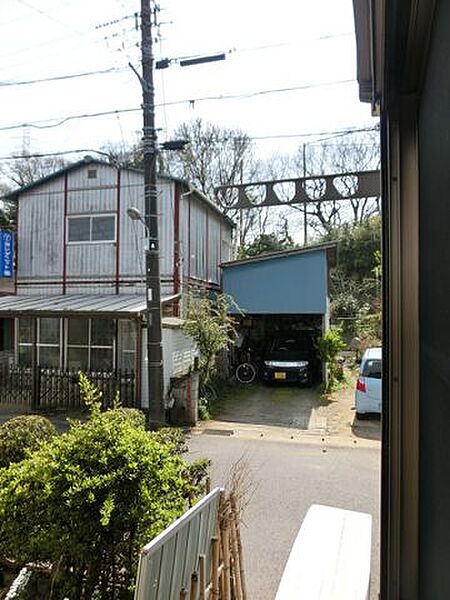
(62, 120)
(340, 133)
(62, 77)
(65, 76)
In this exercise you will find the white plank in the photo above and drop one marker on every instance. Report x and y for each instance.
(330, 558)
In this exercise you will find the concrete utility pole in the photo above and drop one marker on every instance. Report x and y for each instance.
(156, 416)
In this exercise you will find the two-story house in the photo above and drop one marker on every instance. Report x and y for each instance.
(79, 301)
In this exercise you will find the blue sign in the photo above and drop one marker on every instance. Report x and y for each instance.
(6, 253)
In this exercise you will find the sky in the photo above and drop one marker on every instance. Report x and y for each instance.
(306, 45)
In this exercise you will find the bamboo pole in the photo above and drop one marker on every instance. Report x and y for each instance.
(215, 569)
(240, 555)
(183, 594)
(226, 561)
(236, 561)
(202, 572)
(194, 586)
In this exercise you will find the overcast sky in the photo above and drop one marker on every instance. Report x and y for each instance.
(301, 44)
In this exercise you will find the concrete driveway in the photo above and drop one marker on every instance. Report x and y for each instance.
(282, 406)
(292, 412)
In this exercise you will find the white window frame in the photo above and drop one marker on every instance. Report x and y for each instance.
(91, 217)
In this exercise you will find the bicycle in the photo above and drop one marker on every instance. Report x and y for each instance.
(246, 371)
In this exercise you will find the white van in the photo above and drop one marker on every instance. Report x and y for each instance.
(368, 385)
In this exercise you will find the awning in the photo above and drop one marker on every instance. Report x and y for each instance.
(101, 305)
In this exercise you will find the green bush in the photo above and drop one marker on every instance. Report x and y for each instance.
(329, 345)
(136, 416)
(23, 434)
(88, 500)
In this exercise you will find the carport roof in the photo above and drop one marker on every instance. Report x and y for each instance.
(101, 305)
(329, 247)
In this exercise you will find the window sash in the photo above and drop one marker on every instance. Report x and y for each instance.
(24, 328)
(89, 346)
(99, 228)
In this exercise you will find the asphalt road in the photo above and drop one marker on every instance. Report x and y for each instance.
(289, 476)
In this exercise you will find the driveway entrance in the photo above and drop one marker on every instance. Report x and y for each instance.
(290, 410)
(283, 406)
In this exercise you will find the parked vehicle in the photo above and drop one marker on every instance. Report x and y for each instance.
(368, 385)
(290, 359)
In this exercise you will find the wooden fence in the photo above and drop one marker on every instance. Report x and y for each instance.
(44, 388)
(198, 557)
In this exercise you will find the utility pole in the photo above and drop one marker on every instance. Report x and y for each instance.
(156, 408)
(305, 206)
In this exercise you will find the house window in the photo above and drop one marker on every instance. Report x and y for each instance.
(48, 342)
(92, 228)
(127, 331)
(90, 344)
(92, 173)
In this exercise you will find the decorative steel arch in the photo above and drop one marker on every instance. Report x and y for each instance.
(320, 188)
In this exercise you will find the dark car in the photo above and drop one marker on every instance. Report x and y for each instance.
(290, 359)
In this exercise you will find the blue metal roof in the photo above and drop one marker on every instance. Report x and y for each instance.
(291, 282)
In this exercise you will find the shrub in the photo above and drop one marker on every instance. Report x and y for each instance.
(136, 416)
(88, 500)
(21, 435)
(212, 329)
(329, 345)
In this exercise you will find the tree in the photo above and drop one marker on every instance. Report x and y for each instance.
(7, 209)
(268, 242)
(123, 155)
(355, 283)
(211, 327)
(27, 170)
(216, 156)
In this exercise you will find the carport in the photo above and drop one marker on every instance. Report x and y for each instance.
(280, 293)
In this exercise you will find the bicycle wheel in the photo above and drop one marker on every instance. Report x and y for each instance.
(245, 373)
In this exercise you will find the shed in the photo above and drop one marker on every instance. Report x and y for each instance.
(280, 292)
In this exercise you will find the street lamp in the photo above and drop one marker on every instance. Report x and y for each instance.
(136, 215)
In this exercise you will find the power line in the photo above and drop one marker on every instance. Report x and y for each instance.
(294, 43)
(62, 77)
(115, 70)
(50, 154)
(348, 131)
(62, 120)
(317, 133)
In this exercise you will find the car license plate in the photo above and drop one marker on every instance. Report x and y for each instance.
(280, 375)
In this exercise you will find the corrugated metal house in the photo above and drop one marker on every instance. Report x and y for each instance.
(80, 268)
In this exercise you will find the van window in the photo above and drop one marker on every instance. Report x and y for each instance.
(372, 368)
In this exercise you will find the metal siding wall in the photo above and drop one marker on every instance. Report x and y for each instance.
(41, 231)
(166, 210)
(132, 233)
(290, 285)
(132, 238)
(40, 242)
(214, 242)
(197, 238)
(91, 289)
(39, 290)
(92, 201)
(184, 235)
(226, 250)
(106, 176)
(91, 260)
